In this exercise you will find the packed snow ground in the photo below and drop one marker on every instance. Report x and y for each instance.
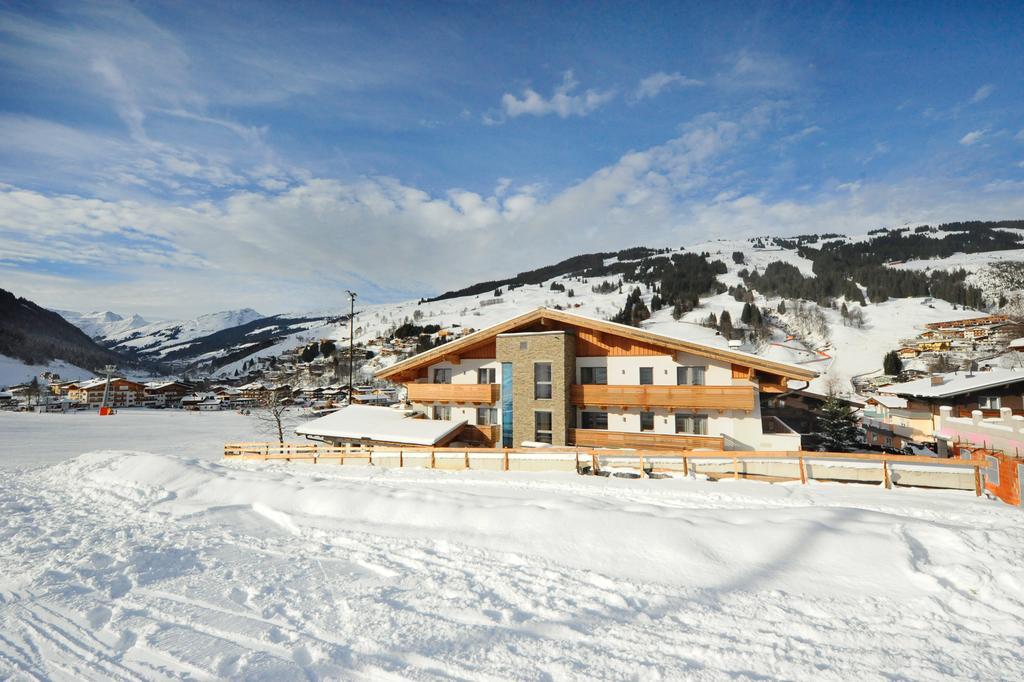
(133, 565)
(33, 440)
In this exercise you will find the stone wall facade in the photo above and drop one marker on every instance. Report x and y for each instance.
(523, 351)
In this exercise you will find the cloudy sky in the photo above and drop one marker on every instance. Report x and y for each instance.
(174, 159)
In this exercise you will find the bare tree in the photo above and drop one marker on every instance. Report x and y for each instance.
(270, 413)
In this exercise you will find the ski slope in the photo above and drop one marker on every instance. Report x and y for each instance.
(128, 565)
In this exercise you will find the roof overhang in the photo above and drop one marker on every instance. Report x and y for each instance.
(670, 343)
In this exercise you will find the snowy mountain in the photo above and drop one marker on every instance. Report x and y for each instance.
(103, 325)
(34, 339)
(813, 334)
(158, 340)
(834, 302)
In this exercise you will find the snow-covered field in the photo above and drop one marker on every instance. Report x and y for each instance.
(32, 440)
(14, 371)
(126, 565)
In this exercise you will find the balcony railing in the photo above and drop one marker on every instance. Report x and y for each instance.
(681, 397)
(599, 438)
(453, 393)
(484, 435)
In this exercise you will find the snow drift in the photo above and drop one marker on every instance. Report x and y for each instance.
(128, 565)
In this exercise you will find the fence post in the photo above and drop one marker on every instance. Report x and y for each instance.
(641, 463)
(401, 459)
(885, 475)
(506, 459)
(735, 468)
(371, 456)
(803, 472)
(977, 480)
(686, 466)
(433, 462)
(593, 463)
(466, 458)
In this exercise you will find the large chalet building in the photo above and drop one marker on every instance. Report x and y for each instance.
(553, 377)
(123, 393)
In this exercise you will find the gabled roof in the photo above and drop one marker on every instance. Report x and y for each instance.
(756, 362)
(360, 422)
(955, 383)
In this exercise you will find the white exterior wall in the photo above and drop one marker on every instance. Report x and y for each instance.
(625, 370)
(463, 373)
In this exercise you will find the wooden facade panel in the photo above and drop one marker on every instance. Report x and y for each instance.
(486, 436)
(485, 351)
(453, 393)
(593, 343)
(678, 397)
(741, 372)
(599, 438)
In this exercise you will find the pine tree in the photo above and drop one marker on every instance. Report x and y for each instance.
(837, 425)
(725, 324)
(756, 318)
(892, 364)
(745, 315)
(782, 308)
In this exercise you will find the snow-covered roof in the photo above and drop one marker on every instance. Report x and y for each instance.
(1017, 343)
(93, 383)
(890, 401)
(359, 422)
(955, 383)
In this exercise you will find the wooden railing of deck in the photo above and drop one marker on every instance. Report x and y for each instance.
(680, 397)
(599, 438)
(453, 393)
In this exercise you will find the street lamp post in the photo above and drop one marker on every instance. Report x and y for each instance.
(351, 341)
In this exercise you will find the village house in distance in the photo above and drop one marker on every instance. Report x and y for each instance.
(552, 377)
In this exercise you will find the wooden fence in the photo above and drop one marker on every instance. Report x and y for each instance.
(646, 461)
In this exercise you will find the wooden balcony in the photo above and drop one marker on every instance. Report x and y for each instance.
(675, 397)
(453, 393)
(599, 438)
(486, 436)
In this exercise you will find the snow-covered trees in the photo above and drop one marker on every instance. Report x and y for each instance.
(635, 311)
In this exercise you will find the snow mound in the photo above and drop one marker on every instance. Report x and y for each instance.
(130, 564)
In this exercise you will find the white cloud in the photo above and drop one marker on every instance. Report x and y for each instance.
(754, 70)
(295, 247)
(563, 101)
(983, 93)
(972, 137)
(654, 84)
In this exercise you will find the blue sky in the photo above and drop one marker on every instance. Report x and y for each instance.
(173, 159)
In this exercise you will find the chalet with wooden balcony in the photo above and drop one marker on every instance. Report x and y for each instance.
(909, 411)
(121, 393)
(549, 376)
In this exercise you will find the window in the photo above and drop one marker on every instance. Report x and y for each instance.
(696, 424)
(690, 376)
(992, 470)
(646, 376)
(485, 375)
(443, 375)
(442, 412)
(594, 420)
(593, 375)
(646, 421)
(989, 402)
(542, 427)
(542, 380)
(486, 416)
